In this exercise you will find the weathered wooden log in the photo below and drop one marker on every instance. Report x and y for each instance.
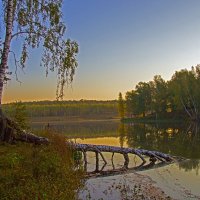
(11, 132)
(154, 156)
(31, 138)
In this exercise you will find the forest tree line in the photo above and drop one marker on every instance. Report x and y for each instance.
(178, 97)
(82, 108)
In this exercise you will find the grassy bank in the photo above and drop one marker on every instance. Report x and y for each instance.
(29, 171)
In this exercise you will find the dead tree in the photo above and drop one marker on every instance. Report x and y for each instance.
(154, 156)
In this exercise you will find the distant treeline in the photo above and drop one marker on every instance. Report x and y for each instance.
(177, 98)
(82, 108)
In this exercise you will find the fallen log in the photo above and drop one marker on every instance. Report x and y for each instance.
(154, 156)
(10, 132)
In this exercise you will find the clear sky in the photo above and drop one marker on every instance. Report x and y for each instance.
(121, 43)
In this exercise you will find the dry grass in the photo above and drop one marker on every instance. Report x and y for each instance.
(29, 171)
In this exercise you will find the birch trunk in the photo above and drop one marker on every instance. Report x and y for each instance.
(186, 110)
(154, 156)
(6, 47)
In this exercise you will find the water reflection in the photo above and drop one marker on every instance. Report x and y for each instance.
(122, 134)
(181, 140)
(190, 165)
(174, 139)
(178, 140)
(81, 129)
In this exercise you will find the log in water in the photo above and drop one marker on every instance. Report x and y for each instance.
(154, 156)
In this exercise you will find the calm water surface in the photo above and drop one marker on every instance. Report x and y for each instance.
(176, 139)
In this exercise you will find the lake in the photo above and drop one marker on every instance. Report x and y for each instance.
(182, 140)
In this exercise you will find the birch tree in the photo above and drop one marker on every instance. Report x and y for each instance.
(36, 23)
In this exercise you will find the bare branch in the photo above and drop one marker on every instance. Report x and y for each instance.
(20, 33)
(16, 66)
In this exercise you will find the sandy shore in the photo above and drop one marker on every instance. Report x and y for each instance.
(128, 186)
(154, 184)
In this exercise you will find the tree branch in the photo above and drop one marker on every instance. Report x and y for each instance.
(16, 66)
(20, 33)
(186, 108)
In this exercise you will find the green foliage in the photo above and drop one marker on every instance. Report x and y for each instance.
(180, 95)
(160, 94)
(30, 171)
(69, 109)
(143, 97)
(77, 155)
(121, 106)
(19, 115)
(39, 23)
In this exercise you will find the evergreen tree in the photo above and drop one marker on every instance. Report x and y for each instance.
(121, 106)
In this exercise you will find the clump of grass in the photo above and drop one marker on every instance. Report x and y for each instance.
(29, 171)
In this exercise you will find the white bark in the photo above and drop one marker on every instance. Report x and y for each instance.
(6, 47)
(187, 111)
(154, 156)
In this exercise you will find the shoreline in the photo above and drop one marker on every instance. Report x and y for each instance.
(58, 120)
(125, 187)
(157, 184)
(152, 121)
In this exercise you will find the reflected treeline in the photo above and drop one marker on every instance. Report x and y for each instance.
(122, 134)
(178, 140)
(82, 130)
(189, 165)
